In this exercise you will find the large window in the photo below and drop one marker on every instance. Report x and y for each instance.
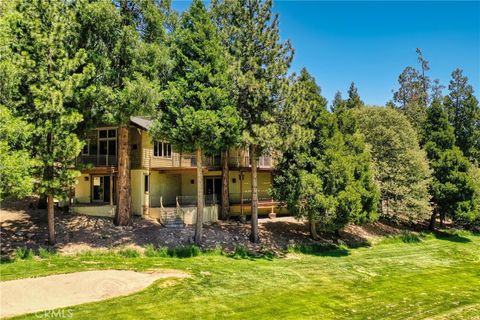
(107, 140)
(162, 149)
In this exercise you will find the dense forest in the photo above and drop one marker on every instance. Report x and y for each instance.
(219, 77)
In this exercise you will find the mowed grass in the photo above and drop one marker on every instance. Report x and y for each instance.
(435, 278)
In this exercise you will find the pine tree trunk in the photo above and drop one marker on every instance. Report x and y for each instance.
(49, 170)
(225, 186)
(242, 213)
(51, 219)
(313, 229)
(254, 212)
(200, 199)
(124, 198)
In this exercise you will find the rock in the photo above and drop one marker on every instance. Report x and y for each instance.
(30, 235)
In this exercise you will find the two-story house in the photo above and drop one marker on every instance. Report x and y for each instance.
(163, 178)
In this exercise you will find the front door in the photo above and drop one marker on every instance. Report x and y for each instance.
(213, 186)
(101, 189)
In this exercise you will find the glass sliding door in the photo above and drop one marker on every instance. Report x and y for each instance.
(101, 189)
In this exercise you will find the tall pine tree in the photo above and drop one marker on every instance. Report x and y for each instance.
(125, 40)
(43, 37)
(353, 100)
(321, 176)
(454, 191)
(251, 33)
(197, 113)
(464, 115)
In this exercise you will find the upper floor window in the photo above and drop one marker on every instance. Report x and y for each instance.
(107, 133)
(107, 142)
(162, 149)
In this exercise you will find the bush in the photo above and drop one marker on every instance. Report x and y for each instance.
(185, 251)
(241, 251)
(404, 237)
(129, 253)
(321, 249)
(24, 253)
(410, 237)
(45, 253)
(151, 251)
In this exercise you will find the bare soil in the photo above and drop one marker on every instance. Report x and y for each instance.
(23, 226)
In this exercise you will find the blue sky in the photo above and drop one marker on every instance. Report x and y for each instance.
(370, 43)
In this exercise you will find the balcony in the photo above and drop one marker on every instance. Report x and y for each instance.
(234, 162)
(98, 160)
(244, 162)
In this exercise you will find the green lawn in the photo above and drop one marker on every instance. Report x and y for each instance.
(435, 279)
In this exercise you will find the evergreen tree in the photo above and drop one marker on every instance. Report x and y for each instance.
(42, 37)
(16, 165)
(251, 33)
(464, 115)
(455, 193)
(125, 41)
(353, 100)
(338, 102)
(412, 97)
(320, 176)
(197, 113)
(402, 171)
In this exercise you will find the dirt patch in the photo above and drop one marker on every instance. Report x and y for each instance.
(64, 290)
(22, 226)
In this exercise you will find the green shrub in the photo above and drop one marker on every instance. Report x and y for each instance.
(218, 251)
(241, 251)
(321, 249)
(404, 237)
(185, 251)
(151, 251)
(45, 253)
(24, 253)
(410, 237)
(129, 253)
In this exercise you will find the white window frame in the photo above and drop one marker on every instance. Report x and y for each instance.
(160, 145)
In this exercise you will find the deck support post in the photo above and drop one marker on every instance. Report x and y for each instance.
(242, 215)
(111, 187)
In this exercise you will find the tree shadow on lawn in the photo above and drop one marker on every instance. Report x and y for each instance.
(452, 237)
(322, 250)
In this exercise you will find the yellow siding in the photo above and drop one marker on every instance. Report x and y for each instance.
(149, 161)
(264, 181)
(137, 191)
(163, 185)
(96, 211)
(189, 189)
(82, 189)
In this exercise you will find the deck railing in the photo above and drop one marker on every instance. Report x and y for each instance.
(236, 198)
(98, 160)
(217, 161)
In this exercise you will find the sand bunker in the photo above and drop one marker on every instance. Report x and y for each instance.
(63, 290)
